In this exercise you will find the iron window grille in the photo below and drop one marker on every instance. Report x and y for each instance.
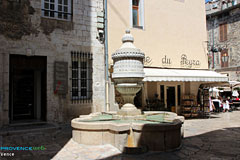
(57, 9)
(81, 91)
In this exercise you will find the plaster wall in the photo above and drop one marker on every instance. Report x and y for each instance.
(171, 28)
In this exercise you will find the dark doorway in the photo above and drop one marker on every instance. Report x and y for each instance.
(171, 97)
(27, 87)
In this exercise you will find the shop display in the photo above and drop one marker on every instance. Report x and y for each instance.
(205, 100)
(189, 106)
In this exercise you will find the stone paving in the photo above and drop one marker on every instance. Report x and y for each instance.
(215, 138)
(52, 137)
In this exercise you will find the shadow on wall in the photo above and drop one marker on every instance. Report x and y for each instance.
(82, 22)
(219, 144)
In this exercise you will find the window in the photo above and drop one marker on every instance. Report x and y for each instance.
(81, 76)
(59, 9)
(223, 32)
(137, 13)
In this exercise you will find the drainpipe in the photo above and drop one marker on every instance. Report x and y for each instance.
(213, 58)
(106, 56)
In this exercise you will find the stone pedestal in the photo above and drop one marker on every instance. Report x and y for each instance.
(128, 92)
(129, 109)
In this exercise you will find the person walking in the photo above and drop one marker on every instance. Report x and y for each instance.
(231, 107)
(211, 105)
(221, 104)
(225, 105)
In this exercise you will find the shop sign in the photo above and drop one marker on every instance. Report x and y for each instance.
(60, 77)
(189, 63)
(147, 61)
(166, 61)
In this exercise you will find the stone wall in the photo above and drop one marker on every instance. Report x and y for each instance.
(232, 44)
(24, 31)
(4, 89)
(1, 88)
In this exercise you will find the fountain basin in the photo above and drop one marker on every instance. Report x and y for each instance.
(156, 131)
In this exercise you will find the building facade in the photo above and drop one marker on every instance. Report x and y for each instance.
(51, 60)
(164, 30)
(171, 37)
(223, 24)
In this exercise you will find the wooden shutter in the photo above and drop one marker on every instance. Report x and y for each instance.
(225, 32)
(221, 32)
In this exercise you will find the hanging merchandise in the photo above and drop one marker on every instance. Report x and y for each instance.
(235, 93)
(205, 102)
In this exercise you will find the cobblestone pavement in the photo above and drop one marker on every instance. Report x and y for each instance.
(215, 138)
(51, 137)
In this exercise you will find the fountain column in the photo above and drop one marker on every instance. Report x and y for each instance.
(128, 73)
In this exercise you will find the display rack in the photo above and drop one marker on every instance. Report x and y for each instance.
(189, 106)
(205, 102)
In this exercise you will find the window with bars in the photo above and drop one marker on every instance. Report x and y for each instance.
(81, 77)
(223, 32)
(58, 9)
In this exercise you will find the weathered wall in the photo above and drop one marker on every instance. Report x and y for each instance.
(15, 19)
(25, 31)
(232, 44)
(4, 89)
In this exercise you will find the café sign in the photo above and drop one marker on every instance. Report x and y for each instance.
(188, 63)
(166, 61)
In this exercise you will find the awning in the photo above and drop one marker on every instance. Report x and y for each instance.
(183, 75)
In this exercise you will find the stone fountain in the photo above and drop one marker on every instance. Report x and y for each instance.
(128, 74)
(129, 127)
